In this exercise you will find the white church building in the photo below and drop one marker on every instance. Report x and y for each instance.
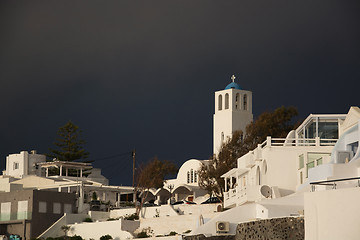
(313, 174)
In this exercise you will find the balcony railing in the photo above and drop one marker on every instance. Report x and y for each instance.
(333, 183)
(241, 195)
(271, 142)
(15, 216)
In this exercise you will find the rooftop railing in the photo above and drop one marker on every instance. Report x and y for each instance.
(271, 142)
(333, 182)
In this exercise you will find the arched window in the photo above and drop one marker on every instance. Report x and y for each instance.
(188, 177)
(258, 177)
(227, 101)
(220, 102)
(237, 101)
(264, 167)
(245, 102)
(264, 171)
(192, 176)
(195, 176)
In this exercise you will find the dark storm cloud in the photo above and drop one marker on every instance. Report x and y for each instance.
(142, 73)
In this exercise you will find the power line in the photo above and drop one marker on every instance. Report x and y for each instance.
(113, 156)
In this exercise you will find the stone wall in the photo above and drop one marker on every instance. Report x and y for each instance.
(202, 237)
(271, 229)
(267, 229)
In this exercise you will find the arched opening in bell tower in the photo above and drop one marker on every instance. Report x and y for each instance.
(227, 101)
(220, 102)
(245, 102)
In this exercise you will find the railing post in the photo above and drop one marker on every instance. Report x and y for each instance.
(268, 141)
(317, 141)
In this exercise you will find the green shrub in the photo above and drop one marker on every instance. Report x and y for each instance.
(76, 237)
(88, 220)
(131, 217)
(106, 237)
(172, 233)
(143, 234)
(187, 231)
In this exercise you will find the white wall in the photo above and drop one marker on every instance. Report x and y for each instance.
(332, 214)
(231, 119)
(26, 163)
(97, 215)
(97, 229)
(233, 216)
(116, 213)
(165, 225)
(181, 178)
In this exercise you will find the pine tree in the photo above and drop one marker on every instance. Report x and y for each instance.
(69, 144)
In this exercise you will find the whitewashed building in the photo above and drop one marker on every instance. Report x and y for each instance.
(279, 167)
(186, 184)
(31, 171)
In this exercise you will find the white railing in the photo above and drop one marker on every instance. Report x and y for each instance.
(242, 195)
(271, 142)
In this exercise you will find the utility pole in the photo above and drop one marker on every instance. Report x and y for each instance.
(133, 155)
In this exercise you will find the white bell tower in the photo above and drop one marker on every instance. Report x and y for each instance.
(233, 112)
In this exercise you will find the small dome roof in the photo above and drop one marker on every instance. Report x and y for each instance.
(233, 85)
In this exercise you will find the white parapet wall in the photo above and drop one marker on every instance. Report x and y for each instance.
(164, 225)
(67, 219)
(97, 215)
(168, 210)
(332, 214)
(95, 230)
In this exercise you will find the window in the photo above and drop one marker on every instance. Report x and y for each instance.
(309, 166)
(195, 176)
(16, 165)
(319, 161)
(220, 102)
(258, 178)
(237, 101)
(227, 101)
(328, 130)
(264, 167)
(5, 210)
(222, 137)
(315, 159)
(301, 177)
(67, 208)
(22, 209)
(192, 176)
(325, 129)
(188, 177)
(56, 208)
(245, 102)
(42, 207)
(301, 161)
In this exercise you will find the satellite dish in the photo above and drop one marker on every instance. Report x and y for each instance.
(265, 191)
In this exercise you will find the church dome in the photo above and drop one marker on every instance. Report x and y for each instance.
(233, 85)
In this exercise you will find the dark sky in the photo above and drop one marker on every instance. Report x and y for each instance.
(143, 73)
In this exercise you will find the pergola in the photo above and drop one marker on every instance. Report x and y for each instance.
(62, 164)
